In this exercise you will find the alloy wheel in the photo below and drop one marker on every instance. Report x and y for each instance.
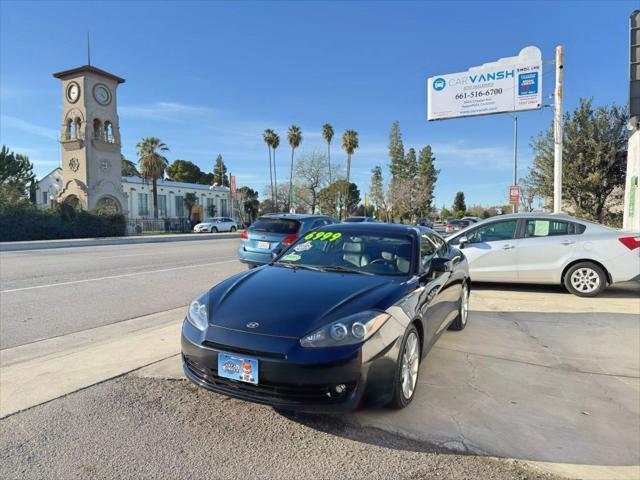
(464, 305)
(585, 280)
(410, 364)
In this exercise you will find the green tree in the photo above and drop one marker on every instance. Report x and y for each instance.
(396, 151)
(593, 159)
(267, 136)
(401, 186)
(184, 171)
(349, 145)
(275, 143)
(376, 190)
(16, 174)
(331, 198)
(327, 134)
(294, 137)
(426, 181)
(128, 168)
(220, 176)
(445, 213)
(249, 204)
(459, 204)
(190, 201)
(152, 164)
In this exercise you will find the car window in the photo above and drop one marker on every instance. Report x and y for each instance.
(549, 228)
(377, 254)
(492, 232)
(320, 223)
(443, 247)
(275, 225)
(428, 250)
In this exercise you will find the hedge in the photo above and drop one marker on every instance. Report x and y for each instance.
(20, 222)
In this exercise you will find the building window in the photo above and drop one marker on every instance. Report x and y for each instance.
(223, 207)
(211, 208)
(45, 198)
(179, 206)
(143, 204)
(162, 206)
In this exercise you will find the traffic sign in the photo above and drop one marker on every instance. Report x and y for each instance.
(514, 194)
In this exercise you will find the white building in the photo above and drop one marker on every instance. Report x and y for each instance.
(211, 201)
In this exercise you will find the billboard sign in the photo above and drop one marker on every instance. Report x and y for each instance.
(511, 84)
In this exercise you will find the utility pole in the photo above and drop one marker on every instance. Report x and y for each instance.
(515, 155)
(557, 132)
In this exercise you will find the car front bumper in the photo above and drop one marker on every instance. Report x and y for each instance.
(292, 377)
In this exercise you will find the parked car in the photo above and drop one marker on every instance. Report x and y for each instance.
(549, 249)
(472, 219)
(217, 224)
(455, 225)
(424, 222)
(346, 313)
(360, 219)
(272, 232)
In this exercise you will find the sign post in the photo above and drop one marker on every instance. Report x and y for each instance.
(557, 132)
(514, 195)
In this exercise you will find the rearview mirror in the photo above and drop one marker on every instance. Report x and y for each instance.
(462, 241)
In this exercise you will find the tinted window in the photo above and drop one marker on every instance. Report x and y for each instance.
(443, 248)
(549, 228)
(354, 219)
(428, 250)
(493, 232)
(275, 225)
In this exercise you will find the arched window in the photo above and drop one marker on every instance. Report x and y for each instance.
(68, 129)
(77, 124)
(108, 132)
(97, 129)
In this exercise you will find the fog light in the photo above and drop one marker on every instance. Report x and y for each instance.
(340, 388)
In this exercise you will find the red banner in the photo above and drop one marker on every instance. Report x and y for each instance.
(233, 184)
(514, 194)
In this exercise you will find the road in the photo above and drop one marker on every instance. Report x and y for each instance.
(48, 293)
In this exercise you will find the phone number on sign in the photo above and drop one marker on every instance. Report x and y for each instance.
(479, 93)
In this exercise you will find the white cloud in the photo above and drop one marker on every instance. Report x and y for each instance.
(25, 126)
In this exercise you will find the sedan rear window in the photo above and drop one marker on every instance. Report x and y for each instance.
(275, 225)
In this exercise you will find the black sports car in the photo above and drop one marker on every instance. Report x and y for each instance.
(344, 314)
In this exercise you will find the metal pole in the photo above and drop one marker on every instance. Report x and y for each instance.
(557, 132)
(515, 156)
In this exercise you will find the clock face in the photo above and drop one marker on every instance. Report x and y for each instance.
(73, 92)
(102, 94)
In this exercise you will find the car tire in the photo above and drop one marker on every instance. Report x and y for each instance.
(403, 393)
(214, 229)
(585, 279)
(463, 310)
(233, 229)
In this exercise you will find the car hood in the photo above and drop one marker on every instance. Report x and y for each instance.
(290, 303)
(203, 224)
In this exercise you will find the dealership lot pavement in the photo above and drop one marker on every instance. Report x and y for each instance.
(538, 376)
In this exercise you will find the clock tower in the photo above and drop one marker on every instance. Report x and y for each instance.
(90, 140)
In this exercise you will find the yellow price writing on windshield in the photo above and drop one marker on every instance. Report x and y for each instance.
(326, 236)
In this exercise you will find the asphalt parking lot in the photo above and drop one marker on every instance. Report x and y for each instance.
(540, 377)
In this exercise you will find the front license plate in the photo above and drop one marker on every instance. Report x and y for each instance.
(238, 368)
(264, 245)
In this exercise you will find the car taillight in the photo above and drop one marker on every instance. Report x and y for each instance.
(630, 242)
(449, 225)
(289, 239)
(244, 235)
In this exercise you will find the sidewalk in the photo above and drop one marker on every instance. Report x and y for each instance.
(91, 242)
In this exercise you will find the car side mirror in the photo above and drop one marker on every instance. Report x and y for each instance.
(462, 241)
(441, 265)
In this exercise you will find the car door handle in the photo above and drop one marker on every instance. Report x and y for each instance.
(567, 242)
(507, 247)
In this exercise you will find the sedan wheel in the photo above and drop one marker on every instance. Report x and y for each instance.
(463, 310)
(585, 279)
(407, 370)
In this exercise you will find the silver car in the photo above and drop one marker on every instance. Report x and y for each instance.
(549, 249)
(217, 224)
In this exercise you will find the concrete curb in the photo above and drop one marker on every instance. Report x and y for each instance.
(91, 242)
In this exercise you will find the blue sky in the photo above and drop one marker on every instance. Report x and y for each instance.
(208, 78)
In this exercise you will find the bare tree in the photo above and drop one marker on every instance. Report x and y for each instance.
(311, 176)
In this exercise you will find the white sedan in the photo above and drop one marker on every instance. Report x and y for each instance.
(549, 249)
(217, 224)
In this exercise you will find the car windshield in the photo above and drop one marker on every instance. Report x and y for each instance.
(364, 253)
(275, 225)
(354, 219)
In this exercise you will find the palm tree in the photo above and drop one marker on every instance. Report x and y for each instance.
(349, 145)
(327, 133)
(294, 136)
(275, 143)
(267, 136)
(152, 164)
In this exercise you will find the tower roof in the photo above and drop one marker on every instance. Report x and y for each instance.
(88, 69)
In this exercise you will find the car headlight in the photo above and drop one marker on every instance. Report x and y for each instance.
(348, 331)
(197, 314)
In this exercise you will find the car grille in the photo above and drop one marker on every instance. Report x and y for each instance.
(268, 391)
(246, 351)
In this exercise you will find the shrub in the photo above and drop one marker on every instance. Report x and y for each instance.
(25, 222)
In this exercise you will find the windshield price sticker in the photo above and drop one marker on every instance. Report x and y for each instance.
(324, 236)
